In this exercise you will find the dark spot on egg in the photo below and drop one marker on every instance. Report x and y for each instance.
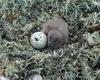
(36, 39)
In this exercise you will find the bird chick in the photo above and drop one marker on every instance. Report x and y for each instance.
(56, 31)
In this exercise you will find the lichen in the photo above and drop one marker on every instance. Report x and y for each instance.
(77, 61)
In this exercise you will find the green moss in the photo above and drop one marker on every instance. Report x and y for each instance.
(77, 61)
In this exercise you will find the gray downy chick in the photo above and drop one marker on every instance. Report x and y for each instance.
(57, 32)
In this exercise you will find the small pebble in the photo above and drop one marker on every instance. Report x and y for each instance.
(90, 41)
(2, 78)
(36, 77)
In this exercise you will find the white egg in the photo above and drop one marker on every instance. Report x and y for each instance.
(36, 77)
(38, 40)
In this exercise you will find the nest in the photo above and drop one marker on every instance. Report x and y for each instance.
(79, 60)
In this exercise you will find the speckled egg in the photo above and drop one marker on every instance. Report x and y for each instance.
(38, 40)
